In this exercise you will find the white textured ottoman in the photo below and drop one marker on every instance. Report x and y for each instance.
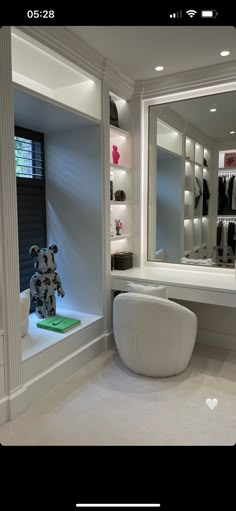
(154, 336)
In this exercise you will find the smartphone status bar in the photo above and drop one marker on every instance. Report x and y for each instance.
(71, 15)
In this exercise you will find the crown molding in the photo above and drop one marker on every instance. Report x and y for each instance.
(68, 45)
(187, 80)
(167, 115)
(119, 83)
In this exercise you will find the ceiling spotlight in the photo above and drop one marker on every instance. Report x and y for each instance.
(225, 53)
(212, 109)
(232, 132)
(159, 68)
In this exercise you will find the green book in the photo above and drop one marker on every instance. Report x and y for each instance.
(58, 323)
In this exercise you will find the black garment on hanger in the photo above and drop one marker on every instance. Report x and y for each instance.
(206, 197)
(230, 190)
(222, 198)
(219, 233)
(199, 191)
(231, 235)
(114, 120)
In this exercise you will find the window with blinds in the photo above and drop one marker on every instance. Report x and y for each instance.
(29, 154)
(31, 203)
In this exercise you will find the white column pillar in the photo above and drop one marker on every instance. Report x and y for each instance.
(106, 205)
(9, 225)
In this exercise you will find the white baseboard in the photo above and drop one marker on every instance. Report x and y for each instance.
(3, 411)
(111, 345)
(20, 400)
(216, 339)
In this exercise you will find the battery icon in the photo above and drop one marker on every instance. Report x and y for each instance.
(209, 14)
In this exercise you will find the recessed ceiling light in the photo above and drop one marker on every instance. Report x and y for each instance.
(159, 68)
(232, 132)
(212, 109)
(225, 53)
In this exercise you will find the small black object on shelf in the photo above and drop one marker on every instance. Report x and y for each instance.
(123, 260)
(112, 262)
(111, 190)
(120, 195)
(205, 162)
(114, 120)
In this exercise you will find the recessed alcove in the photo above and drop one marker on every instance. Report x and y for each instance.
(42, 70)
(73, 180)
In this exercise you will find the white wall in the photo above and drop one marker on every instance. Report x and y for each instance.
(74, 214)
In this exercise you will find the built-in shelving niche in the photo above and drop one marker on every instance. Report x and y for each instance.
(121, 178)
(74, 222)
(42, 70)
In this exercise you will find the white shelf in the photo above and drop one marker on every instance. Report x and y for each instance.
(121, 237)
(118, 167)
(116, 132)
(38, 339)
(54, 76)
(120, 202)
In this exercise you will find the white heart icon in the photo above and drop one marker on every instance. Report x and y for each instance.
(212, 403)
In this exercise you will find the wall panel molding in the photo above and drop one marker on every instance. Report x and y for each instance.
(9, 227)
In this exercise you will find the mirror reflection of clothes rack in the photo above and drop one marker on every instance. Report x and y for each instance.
(226, 231)
(226, 191)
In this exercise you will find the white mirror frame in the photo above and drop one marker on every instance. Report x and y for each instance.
(144, 206)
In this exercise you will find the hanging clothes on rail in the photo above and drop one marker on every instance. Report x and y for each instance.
(219, 233)
(233, 206)
(230, 192)
(197, 192)
(226, 194)
(227, 178)
(226, 234)
(222, 198)
(206, 197)
(231, 236)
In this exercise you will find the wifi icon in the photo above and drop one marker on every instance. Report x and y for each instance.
(191, 13)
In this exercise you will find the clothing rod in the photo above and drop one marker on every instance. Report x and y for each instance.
(223, 172)
(224, 220)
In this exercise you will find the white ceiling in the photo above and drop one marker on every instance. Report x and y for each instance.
(138, 50)
(215, 125)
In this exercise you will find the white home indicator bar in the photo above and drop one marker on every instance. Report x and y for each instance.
(118, 505)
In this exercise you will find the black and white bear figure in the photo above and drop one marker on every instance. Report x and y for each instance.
(45, 280)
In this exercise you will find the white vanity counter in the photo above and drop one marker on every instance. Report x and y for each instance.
(203, 287)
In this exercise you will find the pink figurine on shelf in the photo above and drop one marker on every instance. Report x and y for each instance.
(115, 154)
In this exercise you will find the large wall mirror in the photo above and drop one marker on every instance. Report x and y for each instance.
(192, 181)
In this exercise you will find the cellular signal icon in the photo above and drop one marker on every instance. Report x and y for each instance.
(177, 14)
(191, 13)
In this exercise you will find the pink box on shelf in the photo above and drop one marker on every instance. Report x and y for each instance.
(230, 160)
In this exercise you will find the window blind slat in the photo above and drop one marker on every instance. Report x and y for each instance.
(30, 176)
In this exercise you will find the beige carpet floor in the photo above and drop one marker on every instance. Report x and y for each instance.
(106, 404)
